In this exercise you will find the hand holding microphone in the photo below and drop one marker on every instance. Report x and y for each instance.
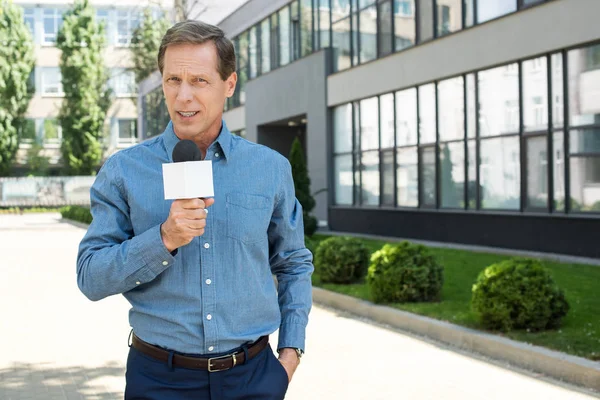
(187, 217)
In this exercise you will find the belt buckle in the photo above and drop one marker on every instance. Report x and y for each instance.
(210, 367)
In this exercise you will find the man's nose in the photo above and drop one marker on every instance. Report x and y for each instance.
(185, 92)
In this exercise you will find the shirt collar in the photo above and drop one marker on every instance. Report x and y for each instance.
(223, 140)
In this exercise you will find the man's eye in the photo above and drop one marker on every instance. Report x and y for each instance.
(174, 79)
(199, 80)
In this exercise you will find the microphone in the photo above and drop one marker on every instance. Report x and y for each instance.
(188, 176)
(186, 150)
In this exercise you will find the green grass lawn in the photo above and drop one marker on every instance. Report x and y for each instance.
(580, 331)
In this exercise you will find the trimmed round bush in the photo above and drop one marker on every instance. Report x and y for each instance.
(341, 260)
(518, 294)
(404, 272)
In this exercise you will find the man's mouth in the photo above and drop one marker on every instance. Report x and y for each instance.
(187, 114)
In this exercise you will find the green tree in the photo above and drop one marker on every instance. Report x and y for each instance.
(302, 186)
(16, 63)
(145, 43)
(87, 96)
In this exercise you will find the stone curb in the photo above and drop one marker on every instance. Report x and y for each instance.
(567, 368)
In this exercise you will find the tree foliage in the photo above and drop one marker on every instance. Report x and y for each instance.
(87, 96)
(145, 44)
(302, 186)
(16, 63)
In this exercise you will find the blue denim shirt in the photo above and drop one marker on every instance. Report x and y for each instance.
(217, 292)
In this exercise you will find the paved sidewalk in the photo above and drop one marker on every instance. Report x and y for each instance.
(47, 328)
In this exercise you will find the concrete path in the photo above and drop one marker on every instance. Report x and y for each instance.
(47, 325)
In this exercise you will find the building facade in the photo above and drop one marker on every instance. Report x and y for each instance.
(463, 121)
(44, 19)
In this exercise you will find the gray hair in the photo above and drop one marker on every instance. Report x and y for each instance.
(196, 32)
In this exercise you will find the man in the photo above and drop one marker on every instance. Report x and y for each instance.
(199, 279)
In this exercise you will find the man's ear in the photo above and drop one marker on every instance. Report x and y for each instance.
(231, 83)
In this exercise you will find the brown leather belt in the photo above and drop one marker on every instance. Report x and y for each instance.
(213, 364)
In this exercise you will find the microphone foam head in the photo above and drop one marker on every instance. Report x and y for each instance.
(186, 150)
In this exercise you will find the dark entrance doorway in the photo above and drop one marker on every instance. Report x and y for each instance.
(279, 135)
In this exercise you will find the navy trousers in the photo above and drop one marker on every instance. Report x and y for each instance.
(261, 378)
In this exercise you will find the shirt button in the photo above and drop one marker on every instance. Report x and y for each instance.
(165, 263)
(138, 282)
(217, 155)
(208, 281)
(206, 245)
(211, 348)
(209, 317)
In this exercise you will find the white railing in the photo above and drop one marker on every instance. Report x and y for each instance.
(45, 191)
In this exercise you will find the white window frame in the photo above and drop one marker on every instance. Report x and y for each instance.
(126, 15)
(117, 81)
(45, 86)
(49, 39)
(124, 141)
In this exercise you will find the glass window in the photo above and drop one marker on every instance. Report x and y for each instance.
(585, 183)
(29, 19)
(449, 16)
(27, 133)
(265, 47)
(253, 52)
(584, 85)
(427, 113)
(405, 27)
(471, 111)
(558, 90)
(490, 9)
(499, 173)
(452, 174)
(451, 109)
(469, 13)
(425, 19)
(51, 81)
(295, 31)
(343, 180)
(472, 175)
(284, 36)
(535, 94)
(323, 23)
(339, 9)
(52, 131)
(341, 44)
(127, 130)
(385, 33)
(499, 100)
(537, 172)
(407, 186)
(584, 141)
(387, 178)
(306, 22)
(370, 178)
(342, 128)
(369, 127)
(52, 22)
(155, 113)
(386, 104)
(354, 38)
(243, 59)
(559, 171)
(428, 176)
(102, 19)
(123, 82)
(406, 117)
(127, 21)
(274, 41)
(368, 34)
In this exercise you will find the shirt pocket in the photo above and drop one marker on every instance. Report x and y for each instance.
(248, 217)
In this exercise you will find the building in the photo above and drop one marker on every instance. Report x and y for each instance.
(473, 122)
(44, 20)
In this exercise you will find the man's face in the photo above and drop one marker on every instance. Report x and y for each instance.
(194, 91)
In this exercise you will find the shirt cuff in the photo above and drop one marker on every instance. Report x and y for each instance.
(292, 335)
(153, 255)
